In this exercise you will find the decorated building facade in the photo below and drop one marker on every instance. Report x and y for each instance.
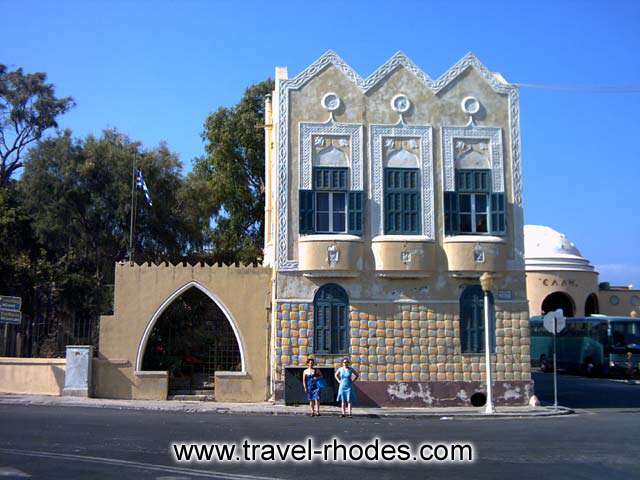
(387, 198)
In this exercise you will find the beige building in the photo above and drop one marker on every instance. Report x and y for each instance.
(558, 276)
(386, 199)
(388, 196)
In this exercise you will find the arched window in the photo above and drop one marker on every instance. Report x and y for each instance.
(472, 320)
(331, 322)
(591, 305)
(559, 300)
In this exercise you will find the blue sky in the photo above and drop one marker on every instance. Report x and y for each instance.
(155, 69)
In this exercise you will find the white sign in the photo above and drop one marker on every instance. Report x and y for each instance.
(11, 304)
(559, 322)
(11, 317)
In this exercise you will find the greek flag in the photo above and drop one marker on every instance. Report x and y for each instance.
(140, 183)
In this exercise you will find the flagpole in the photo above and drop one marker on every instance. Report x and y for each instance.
(133, 187)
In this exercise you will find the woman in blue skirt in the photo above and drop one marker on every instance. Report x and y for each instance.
(346, 376)
(310, 379)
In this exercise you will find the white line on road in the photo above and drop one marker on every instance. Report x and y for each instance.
(131, 464)
(13, 473)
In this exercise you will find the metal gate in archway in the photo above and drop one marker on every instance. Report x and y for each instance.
(191, 340)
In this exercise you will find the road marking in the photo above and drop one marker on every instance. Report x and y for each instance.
(131, 464)
(13, 472)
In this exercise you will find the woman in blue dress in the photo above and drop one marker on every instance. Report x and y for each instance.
(310, 379)
(346, 376)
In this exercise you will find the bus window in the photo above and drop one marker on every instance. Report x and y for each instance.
(625, 333)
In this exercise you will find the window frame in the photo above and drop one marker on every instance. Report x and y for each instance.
(334, 331)
(330, 212)
(332, 182)
(472, 329)
(474, 184)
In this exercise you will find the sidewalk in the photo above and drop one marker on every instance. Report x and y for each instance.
(268, 408)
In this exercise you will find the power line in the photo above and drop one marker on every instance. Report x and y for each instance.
(583, 88)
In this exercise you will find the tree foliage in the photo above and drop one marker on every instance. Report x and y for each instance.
(65, 222)
(28, 107)
(233, 171)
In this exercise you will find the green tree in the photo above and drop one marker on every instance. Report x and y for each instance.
(232, 170)
(28, 107)
(76, 193)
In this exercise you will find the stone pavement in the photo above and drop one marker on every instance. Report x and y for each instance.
(269, 408)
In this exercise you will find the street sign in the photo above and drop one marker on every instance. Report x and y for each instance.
(554, 322)
(11, 304)
(11, 317)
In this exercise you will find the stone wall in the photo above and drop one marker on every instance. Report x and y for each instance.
(412, 343)
(142, 292)
(32, 376)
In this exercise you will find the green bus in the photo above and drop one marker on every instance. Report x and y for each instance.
(588, 345)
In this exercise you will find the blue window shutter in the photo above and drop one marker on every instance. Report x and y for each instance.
(451, 213)
(401, 201)
(331, 320)
(321, 330)
(306, 211)
(498, 217)
(356, 210)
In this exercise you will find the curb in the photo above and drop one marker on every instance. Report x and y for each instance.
(208, 408)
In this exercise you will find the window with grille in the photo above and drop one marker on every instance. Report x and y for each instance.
(401, 201)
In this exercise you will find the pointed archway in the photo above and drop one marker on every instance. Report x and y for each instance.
(191, 336)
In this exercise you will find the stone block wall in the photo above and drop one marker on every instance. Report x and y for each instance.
(391, 342)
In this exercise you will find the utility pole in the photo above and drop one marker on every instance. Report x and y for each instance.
(133, 206)
(486, 281)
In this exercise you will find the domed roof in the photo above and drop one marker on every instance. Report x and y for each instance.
(547, 249)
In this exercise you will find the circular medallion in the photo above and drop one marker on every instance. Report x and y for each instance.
(331, 102)
(614, 300)
(400, 103)
(470, 105)
(635, 300)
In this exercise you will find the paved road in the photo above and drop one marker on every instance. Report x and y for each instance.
(588, 393)
(56, 443)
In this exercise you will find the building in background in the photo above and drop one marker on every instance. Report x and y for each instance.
(558, 276)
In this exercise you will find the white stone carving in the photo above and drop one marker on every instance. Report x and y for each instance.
(392, 135)
(470, 105)
(400, 103)
(401, 159)
(405, 257)
(349, 132)
(331, 102)
(471, 154)
(478, 254)
(453, 139)
(330, 157)
(333, 255)
(396, 61)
